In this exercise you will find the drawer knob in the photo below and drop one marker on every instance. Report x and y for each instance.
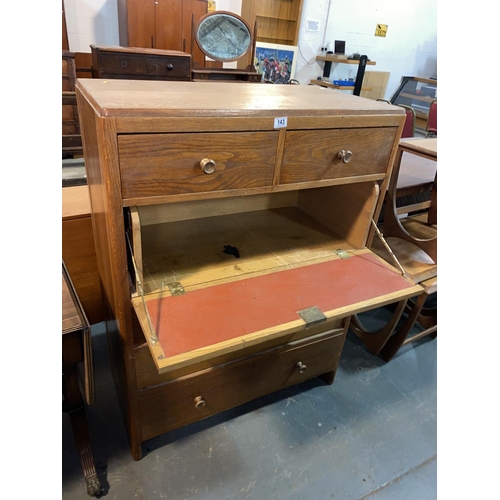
(345, 156)
(207, 165)
(124, 64)
(199, 402)
(170, 66)
(301, 367)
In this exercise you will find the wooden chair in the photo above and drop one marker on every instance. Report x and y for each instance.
(416, 313)
(411, 243)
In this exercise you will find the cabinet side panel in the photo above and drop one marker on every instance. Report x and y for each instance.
(101, 163)
(384, 184)
(346, 209)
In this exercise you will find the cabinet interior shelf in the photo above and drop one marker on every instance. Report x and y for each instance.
(284, 19)
(278, 41)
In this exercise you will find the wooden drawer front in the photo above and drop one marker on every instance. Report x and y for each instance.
(122, 64)
(165, 164)
(170, 67)
(313, 155)
(173, 404)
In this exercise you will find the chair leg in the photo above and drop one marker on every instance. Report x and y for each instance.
(375, 341)
(398, 338)
(76, 410)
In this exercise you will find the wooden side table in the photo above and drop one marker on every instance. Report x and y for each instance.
(77, 350)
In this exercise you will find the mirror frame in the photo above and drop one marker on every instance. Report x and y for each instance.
(231, 14)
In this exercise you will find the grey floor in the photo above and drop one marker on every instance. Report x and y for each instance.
(370, 435)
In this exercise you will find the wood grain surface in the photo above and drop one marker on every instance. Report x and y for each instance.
(169, 99)
(312, 155)
(164, 164)
(172, 405)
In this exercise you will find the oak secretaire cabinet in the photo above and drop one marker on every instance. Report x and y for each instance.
(231, 224)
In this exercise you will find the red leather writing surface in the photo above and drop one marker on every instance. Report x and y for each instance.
(211, 315)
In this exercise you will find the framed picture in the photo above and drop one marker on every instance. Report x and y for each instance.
(276, 63)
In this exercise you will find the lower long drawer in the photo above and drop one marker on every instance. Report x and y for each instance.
(200, 395)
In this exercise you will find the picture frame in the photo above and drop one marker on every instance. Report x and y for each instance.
(276, 63)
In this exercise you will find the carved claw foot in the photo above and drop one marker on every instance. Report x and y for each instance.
(94, 487)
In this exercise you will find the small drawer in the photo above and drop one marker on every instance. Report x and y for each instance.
(316, 155)
(209, 392)
(168, 164)
(173, 67)
(122, 64)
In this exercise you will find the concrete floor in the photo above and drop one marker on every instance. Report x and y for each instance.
(370, 435)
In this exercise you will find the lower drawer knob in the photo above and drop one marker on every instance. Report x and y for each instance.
(207, 165)
(199, 402)
(301, 367)
(345, 156)
(170, 67)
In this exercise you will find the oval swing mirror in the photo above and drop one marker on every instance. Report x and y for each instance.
(223, 36)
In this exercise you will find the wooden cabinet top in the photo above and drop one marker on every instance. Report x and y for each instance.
(139, 51)
(132, 98)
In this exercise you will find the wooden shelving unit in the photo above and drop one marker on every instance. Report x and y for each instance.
(336, 59)
(278, 21)
(340, 60)
(320, 83)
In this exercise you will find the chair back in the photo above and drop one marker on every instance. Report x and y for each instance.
(432, 128)
(409, 126)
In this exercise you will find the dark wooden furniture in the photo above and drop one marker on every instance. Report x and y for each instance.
(225, 75)
(79, 253)
(140, 64)
(71, 138)
(231, 231)
(161, 24)
(77, 351)
(65, 40)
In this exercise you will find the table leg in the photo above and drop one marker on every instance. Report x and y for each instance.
(76, 410)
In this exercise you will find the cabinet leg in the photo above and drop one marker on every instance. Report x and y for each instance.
(328, 377)
(136, 450)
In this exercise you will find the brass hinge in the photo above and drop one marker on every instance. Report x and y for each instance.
(343, 254)
(312, 316)
(176, 288)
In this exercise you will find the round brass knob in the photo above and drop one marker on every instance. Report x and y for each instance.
(345, 156)
(207, 165)
(301, 367)
(199, 402)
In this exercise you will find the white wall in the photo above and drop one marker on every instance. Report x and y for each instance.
(91, 22)
(409, 49)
